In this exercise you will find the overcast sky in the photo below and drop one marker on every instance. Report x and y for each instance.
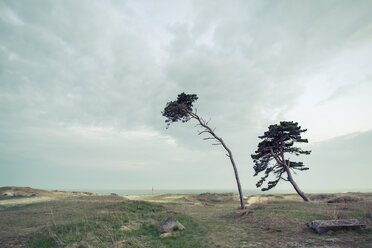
(83, 84)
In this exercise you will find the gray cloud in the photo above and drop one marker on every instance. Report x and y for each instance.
(340, 163)
(81, 65)
(76, 70)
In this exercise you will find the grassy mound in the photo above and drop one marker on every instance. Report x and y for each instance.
(100, 221)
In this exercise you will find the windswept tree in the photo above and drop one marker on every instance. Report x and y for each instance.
(182, 110)
(272, 155)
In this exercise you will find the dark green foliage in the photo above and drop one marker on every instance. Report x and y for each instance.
(269, 156)
(179, 110)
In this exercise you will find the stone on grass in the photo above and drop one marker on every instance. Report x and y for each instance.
(170, 225)
(323, 226)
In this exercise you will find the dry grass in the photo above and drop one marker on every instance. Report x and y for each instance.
(334, 212)
(97, 221)
(271, 221)
(368, 210)
(214, 220)
(259, 204)
(344, 199)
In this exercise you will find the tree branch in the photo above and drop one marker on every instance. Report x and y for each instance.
(206, 123)
(275, 156)
(201, 132)
(281, 150)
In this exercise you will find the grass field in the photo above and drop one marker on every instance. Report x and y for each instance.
(210, 220)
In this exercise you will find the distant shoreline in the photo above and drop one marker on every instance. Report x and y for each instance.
(133, 192)
(14, 195)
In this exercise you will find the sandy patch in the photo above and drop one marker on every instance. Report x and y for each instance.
(12, 202)
(156, 198)
(137, 197)
(255, 199)
(265, 198)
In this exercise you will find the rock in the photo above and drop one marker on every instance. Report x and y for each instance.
(164, 235)
(170, 225)
(323, 226)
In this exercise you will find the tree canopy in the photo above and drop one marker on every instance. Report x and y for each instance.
(180, 109)
(269, 157)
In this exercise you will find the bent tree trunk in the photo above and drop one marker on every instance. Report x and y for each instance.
(229, 153)
(295, 186)
(236, 173)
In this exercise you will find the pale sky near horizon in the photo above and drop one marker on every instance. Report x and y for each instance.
(83, 84)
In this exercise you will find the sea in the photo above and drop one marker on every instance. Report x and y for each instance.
(124, 192)
(247, 192)
(127, 192)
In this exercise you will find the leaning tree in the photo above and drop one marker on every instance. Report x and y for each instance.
(277, 142)
(182, 110)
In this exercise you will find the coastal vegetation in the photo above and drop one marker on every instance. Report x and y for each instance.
(67, 219)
